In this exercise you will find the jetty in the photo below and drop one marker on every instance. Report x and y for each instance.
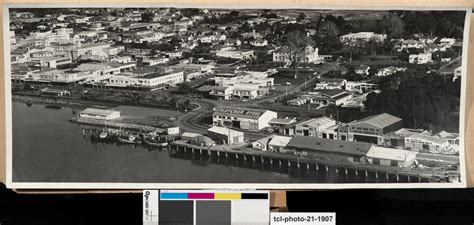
(117, 124)
(288, 162)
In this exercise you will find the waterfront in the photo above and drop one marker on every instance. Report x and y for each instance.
(76, 159)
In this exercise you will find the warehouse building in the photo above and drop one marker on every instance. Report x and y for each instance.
(243, 118)
(329, 149)
(390, 157)
(223, 135)
(99, 114)
(370, 129)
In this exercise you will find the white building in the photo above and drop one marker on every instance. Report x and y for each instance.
(421, 58)
(150, 80)
(243, 118)
(425, 141)
(262, 143)
(390, 156)
(360, 86)
(321, 127)
(278, 142)
(363, 37)
(99, 114)
(247, 84)
(148, 61)
(231, 52)
(63, 76)
(224, 135)
(283, 54)
(330, 83)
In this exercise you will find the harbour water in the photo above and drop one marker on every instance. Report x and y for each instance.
(48, 148)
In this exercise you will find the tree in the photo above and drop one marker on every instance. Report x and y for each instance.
(184, 88)
(186, 103)
(147, 17)
(301, 17)
(392, 25)
(297, 43)
(372, 71)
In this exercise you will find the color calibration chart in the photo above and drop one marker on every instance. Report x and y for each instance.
(199, 207)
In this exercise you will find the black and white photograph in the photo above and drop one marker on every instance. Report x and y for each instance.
(184, 96)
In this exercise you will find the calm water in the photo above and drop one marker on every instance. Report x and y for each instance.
(48, 148)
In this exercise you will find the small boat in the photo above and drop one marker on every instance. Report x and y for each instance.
(103, 135)
(29, 104)
(154, 143)
(130, 139)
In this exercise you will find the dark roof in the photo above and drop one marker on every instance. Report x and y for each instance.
(331, 80)
(329, 145)
(332, 92)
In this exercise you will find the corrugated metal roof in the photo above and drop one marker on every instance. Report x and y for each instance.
(430, 138)
(390, 153)
(380, 120)
(240, 112)
(278, 140)
(329, 145)
(316, 121)
(98, 111)
(224, 131)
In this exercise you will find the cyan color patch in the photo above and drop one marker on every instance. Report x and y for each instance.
(174, 195)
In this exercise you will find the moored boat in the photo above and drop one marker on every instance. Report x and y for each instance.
(154, 142)
(130, 139)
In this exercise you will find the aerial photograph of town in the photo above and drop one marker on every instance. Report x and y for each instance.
(259, 96)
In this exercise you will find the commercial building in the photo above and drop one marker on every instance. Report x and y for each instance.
(390, 157)
(424, 141)
(330, 97)
(363, 37)
(62, 76)
(361, 87)
(231, 52)
(99, 114)
(243, 118)
(329, 149)
(280, 122)
(50, 61)
(370, 129)
(193, 71)
(321, 127)
(330, 83)
(283, 54)
(397, 138)
(197, 139)
(224, 135)
(147, 81)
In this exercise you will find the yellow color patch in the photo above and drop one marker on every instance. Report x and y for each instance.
(227, 196)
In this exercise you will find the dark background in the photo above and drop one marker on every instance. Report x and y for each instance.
(400, 207)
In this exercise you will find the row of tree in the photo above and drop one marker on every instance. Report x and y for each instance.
(423, 100)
